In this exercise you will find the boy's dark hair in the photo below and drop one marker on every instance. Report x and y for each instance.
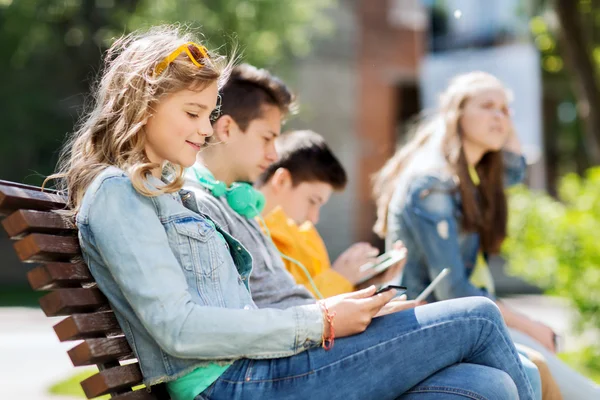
(308, 158)
(248, 89)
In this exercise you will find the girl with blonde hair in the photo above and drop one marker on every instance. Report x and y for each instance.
(443, 195)
(178, 283)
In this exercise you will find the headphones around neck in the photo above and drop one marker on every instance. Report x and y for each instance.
(247, 202)
(241, 196)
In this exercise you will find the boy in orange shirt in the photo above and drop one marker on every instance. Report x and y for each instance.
(295, 188)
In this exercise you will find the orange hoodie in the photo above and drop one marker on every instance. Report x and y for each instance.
(305, 245)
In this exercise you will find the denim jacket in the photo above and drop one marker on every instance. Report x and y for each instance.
(426, 215)
(179, 289)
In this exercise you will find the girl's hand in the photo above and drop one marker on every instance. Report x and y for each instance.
(541, 333)
(512, 141)
(397, 305)
(354, 311)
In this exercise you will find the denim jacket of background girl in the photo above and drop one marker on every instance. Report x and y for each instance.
(179, 291)
(425, 213)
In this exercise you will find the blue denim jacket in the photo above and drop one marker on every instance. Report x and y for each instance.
(426, 216)
(179, 291)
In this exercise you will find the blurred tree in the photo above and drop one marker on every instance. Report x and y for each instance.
(567, 34)
(553, 243)
(51, 51)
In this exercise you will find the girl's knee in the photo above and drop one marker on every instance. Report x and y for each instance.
(477, 306)
(497, 385)
(467, 381)
(485, 307)
(504, 387)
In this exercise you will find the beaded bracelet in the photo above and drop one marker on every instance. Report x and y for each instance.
(328, 341)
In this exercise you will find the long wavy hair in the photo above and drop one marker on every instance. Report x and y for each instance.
(484, 207)
(112, 133)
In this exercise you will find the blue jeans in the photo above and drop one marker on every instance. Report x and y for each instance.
(533, 375)
(454, 349)
(571, 383)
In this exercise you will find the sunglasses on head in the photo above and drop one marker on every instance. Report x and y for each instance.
(195, 52)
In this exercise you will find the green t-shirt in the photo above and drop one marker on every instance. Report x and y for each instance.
(191, 385)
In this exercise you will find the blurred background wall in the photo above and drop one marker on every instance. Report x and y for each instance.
(362, 69)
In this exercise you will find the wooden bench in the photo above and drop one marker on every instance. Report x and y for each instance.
(43, 237)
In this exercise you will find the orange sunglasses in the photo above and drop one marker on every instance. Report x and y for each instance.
(195, 52)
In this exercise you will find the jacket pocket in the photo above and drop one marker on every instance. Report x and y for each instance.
(199, 245)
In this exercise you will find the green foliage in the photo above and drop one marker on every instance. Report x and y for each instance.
(51, 51)
(585, 361)
(567, 146)
(554, 244)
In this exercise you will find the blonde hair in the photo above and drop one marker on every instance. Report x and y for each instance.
(111, 133)
(461, 89)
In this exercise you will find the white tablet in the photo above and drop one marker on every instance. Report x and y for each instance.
(425, 293)
(381, 263)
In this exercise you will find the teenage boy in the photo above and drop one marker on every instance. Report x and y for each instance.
(254, 105)
(295, 187)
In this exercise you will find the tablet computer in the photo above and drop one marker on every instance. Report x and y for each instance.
(425, 293)
(381, 263)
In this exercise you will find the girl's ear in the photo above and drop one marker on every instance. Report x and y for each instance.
(224, 127)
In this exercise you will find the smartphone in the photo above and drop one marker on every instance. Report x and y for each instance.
(425, 293)
(400, 289)
(381, 263)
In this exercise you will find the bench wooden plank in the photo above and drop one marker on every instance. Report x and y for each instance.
(112, 380)
(71, 301)
(59, 275)
(24, 186)
(45, 236)
(84, 326)
(39, 247)
(140, 394)
(16, 197)
(99, 351)
(22, 222)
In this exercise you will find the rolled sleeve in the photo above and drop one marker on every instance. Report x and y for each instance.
(309, 320)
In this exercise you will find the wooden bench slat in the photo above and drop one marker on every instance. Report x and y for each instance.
(112, 380)
(38, 247)
(71, 301)
(24, 186)
(22, 222)
(43, 236)
(59, 275)
(140, 394)
(84, 326)
(15, 197)
(99, 351)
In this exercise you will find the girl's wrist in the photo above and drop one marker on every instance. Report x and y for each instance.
(328, 327)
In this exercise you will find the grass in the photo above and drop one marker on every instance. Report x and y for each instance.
(585, 361)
